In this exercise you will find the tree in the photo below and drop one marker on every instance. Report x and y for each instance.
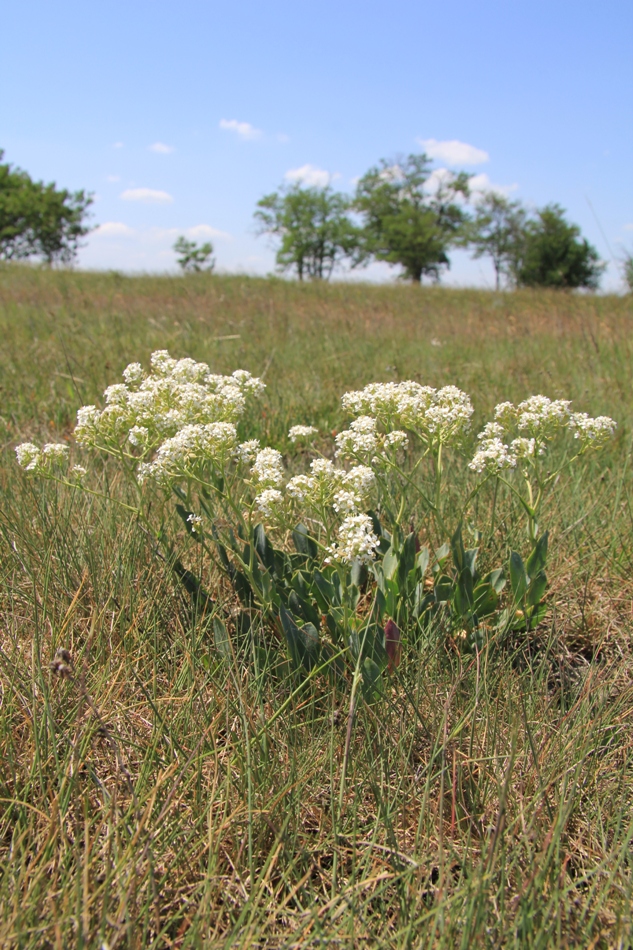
(552, 254)
(627, 270)
(410, 220)
(314, 228)
(38, 220)
(194, 259)
(496, 231)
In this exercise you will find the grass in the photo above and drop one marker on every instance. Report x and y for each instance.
(154, 795)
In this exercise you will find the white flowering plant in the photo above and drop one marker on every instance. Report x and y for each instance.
(323, 554)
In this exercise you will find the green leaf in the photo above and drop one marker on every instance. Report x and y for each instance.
(538, 558)
(264, 548)
(463, 601)
(440, 557)
(242, 588)
(443, 589)
(221, 638)
(359, 574)
(486, 599)
(536, 589)
(470, 558)
(518, 577)
(406, 560)
(303, 642)
(323, 590)
(303, 542)
(390, 563)
(422, 561)
(457, 548)
(496, 579)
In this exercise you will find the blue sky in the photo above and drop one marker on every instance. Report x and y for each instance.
(179, 117)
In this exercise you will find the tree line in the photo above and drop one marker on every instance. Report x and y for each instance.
(403, 214)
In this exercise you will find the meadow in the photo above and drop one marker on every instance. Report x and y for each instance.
(159, 790)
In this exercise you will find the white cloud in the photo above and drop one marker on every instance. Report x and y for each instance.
(118, 145)
(201, 232)
(454, 152)
(310, 176)
(480, 183)
(111, 229)
(244, 129)
(147, 195)
(628, 227)
(156, 236)
(283, 138)
(113, 178)
(436, 179)
(161, 148)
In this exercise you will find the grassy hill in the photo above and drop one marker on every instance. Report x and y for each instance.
(157, 797)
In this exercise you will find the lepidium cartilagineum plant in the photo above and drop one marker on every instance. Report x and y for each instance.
(324, 557)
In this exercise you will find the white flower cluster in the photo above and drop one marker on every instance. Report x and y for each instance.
(542, 419)
(492, 455)
(435, 414)
(270, 503)
(40, 461)
(267, 470)
(188, 449)
(247, 451)
(362, 440)
(359, 440)
(594, 432)
(301, 432)
(146, 409)
(329, 486)
(356, 541)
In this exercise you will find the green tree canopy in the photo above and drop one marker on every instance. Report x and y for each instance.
(407, 221)
(313, 227)
(496, 231)
(553, 254)
(38, 220)
(193, 257)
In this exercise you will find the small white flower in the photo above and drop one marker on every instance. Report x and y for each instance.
(133, 374)
(247, 451)
(346, 501)
(86, 430)
(78, 472)
(269, 502)
(493, 456)
(542, 417)
(505, 414)
(592, 432)
(492, 430)
(29, 456)
(301, 432)
(301, 487)
(361, 479)
(396, 439)
(55, 452)
(267, 469)
(359, 440)
(138, 435)
(525, 448)
(116, 395)
(356, 541)
(196, 523)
